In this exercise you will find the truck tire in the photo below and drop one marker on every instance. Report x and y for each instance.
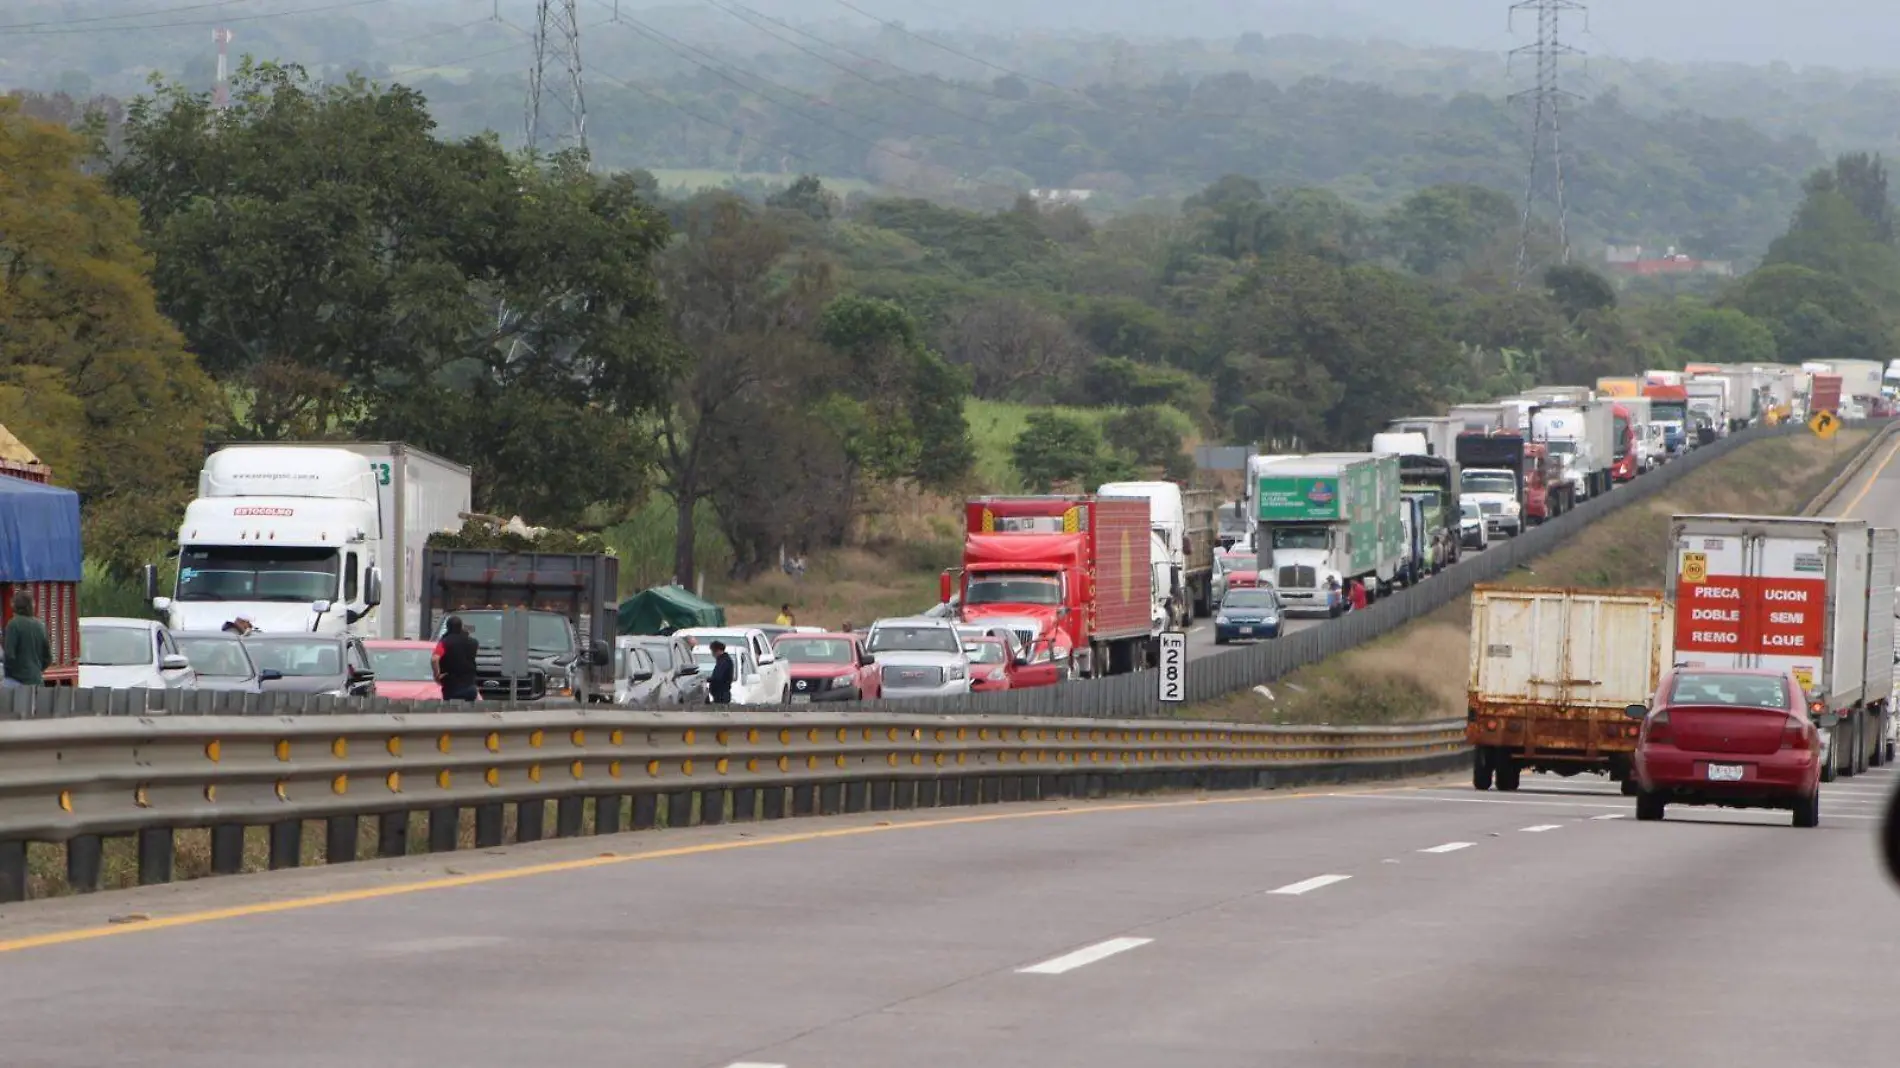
(1508, 772)
(1650, 807)
(1807, 811)
(1480, 769)
(1631, 788)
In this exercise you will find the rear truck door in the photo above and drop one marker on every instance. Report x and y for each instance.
(1883, 571)
(1713, 577)
(1791, 595)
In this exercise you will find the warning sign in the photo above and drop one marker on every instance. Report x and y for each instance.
(1805, 676)
(1695, 567)
(1751, 616)
(1792, 616)
(1824, 424)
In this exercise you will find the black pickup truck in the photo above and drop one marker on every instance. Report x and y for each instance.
(571, 599)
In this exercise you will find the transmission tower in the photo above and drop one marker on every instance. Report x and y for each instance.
(1546, 100)
(557, 52)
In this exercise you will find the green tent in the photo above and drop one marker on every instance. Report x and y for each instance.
(667, 607)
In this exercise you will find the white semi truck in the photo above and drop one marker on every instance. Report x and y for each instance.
(321, 537)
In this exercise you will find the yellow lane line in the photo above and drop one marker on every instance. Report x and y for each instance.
(1871, 479)
(188, 919)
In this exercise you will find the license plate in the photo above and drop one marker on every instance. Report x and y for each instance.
(1246, 630)
(1725, 773)
(801, 699)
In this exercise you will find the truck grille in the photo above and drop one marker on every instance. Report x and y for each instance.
(1299, 577)
(493, 687)
(1491, 507)
(912, 678)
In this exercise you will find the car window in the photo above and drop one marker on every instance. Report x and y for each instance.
(217, 657)
(110, 646)
(915, 639)
(1717, 688)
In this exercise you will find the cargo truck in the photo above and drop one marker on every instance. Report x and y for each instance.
(1327, 519)
(40, 555)
(1440, 432)
(1075, 567)
(1184, 519)
(1824, 394)
(1620, 387)
(1514, 481)
(1669, 408)
(313, 537)
(1709, 396)
(1581, 435)
(1859, 378)
(1551, 672)
(1433, 480)
(1488, 418)
(1811, 595)
(573, 611)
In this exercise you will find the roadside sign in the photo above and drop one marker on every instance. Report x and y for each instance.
(1824, 424)
(1173, 665)
(514, 643)
(1695, 567)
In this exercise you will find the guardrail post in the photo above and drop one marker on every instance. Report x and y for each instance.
(155, 856)
(881, 791)
(950, 792)
(227, 848)
(489, 824)
(85, 863)
(830, 798)
(286, 844)
(392, 834)
(679, 808)
(445, 828)
(712, 807)
(805, 799)
(646, 811)
(339, 839)
(607, 814)
(569, 813)
(531, 819)
(745, 804)
(857, 796)
(12, 871)
(772, 805)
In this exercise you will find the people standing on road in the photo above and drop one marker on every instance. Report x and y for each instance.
(1358, 594)
(785, 617)
(719, 687)
(454, 661)
(1333, 596)
(28, 651)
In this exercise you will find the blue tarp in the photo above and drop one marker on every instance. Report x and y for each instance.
(39, 532)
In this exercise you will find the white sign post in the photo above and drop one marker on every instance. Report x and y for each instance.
(1173, 666)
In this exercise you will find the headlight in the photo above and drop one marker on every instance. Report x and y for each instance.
(844, 682)
(952, 673)
(1510, 507)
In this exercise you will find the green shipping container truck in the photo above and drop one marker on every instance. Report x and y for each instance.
(1330, 516)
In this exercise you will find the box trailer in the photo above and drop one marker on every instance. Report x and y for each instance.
(1326, 520)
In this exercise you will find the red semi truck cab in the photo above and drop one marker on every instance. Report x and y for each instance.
(1075, 568)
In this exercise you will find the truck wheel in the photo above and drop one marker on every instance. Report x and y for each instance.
(1807, 811)
(1649, 807)
(1630, 788)
(1508, 772)
(1480, 769)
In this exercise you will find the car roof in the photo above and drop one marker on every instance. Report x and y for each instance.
(119, 621)
(281, 636)
(1713, 669)
(399, 643)
(915, 621)
(838, 634)
(202, 635)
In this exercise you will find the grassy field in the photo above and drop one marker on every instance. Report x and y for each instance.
(1418, 672)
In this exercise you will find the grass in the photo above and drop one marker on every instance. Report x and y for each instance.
(1418, 672)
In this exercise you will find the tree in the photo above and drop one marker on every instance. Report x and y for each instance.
(1235, 218)
(1444, 227)
(1577, 290)
(91, 375)
(1012, 349)
(808, 197)
(1056, 448)
(904, 409)
(1724, 335)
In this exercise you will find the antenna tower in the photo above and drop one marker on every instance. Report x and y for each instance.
(221, 92)
(557, 51)
(1546, 101)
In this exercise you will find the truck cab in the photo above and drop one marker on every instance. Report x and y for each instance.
(1309, 565)
(1494, 490)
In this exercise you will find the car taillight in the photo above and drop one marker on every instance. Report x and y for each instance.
(1795, 734)
(1657, 729)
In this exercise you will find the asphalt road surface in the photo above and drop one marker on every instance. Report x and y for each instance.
(1875, 494)
(1415, 925)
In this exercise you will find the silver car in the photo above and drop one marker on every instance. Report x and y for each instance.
(222, 662)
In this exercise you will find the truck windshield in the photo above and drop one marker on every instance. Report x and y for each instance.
(1013, 589)
(1301, 537)
(1428, 499)
(257, 573)
(547, 632)
(1488, 482)
(1561, 447)
(902, 639)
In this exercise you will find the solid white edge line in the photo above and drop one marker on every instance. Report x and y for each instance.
(1449, 847)
(1542, 827)
(1314, 883)
(1068, 962)
(752, 1064)
(1611, 816)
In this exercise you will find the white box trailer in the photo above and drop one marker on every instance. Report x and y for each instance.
(1441, 433)
(1483, 418)
(1551, 672)
(1794, 593)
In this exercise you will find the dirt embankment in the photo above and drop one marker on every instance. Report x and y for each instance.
(1418, 672)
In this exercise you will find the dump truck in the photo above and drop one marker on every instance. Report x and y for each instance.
(1552, 671)
(1076, 569)
(1809, 594)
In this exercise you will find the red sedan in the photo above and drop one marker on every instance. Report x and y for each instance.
(1732, 737)
(829, 667)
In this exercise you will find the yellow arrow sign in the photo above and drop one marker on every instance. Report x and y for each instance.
(1824, 424)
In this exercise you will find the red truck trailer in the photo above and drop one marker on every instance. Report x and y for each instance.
(1824, 394)
(39, 553)
(1071, 572)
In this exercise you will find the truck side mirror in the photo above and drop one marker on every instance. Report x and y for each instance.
(150, 573)
(943, 588)
(373, 587)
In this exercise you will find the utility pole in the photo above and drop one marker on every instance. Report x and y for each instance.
(1546, 101)
(221, 92)
(557, 51)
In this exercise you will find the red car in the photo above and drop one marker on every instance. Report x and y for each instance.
(403, 670)
(1733, 737)
(994, 666)
(829, 667)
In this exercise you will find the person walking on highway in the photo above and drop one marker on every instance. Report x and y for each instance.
(1358, 594)
(28, 652)
(785, 617)
(454, 661)
(720, 685)
(1333, 595)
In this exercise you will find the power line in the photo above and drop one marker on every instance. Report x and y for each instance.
(557, 44)
(1546, 101)
(318, 10)
(887, 24)
(179, 10)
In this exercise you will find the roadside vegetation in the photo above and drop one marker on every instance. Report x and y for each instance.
(1418, 672)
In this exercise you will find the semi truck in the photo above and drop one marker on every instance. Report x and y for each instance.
(1186, 523)
(40, 555)
(1709, 396)
(572, 601)
(1581, 435)
(1551, 672)
(1075, 567)
(313, 536)
(1487, 418)
(1669, 408)
(1326, 520)
(1513, 480)
(1810, 595)
(1440, 432)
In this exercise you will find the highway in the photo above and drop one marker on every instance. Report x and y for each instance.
(1416, 925)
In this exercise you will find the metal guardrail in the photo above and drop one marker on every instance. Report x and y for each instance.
(71, 783)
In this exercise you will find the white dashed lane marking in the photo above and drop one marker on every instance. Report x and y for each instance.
(1069, 962)
(1448, 847)
(1308, 885)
